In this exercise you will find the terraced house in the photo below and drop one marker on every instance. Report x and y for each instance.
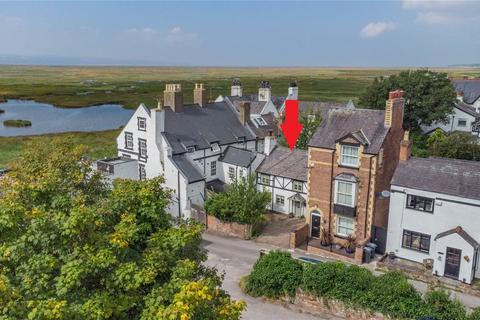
(351, 160)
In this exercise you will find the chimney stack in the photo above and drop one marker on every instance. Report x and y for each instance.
(405, 147)
(244, 112)
(159, 105)
(293, 91)
(270, 143)
(265, 91)
(236, 89)
(173, 97)
(394, 109)
(200, 95)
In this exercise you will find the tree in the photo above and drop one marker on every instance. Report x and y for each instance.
(72, 248)
(242, 202)
(429, 96)
(310, 120)
(457, 145)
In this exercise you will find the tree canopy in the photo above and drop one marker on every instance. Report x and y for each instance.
(73, 248)
(458, 145)
(429, 96)
(310, 120)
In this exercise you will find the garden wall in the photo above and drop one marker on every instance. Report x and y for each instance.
(232, 229)
(299, 236)
(319, 306)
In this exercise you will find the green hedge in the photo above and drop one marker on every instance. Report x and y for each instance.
(278, 274)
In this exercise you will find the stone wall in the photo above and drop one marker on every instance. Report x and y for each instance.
(232, 229)
(299, 236)
(318, 306)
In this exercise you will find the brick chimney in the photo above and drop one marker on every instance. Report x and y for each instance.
(265, 91)
(173, 97)
(244, 112)
(200, 95)
(394, 109)
(405, 147)
(236, 89)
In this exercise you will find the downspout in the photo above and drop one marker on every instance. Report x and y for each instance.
(179, 199)
(331, 198)
(368, 198)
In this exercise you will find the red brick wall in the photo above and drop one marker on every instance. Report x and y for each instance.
(232, 229)
(299, 236)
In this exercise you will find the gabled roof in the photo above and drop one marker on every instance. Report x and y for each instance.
(285, 163)
(238, 157)
(187, 169)
(453, 177)
(462, 233)
(340, 122)
(467, 109)
(470, 89)
(256, 106)
(201, 126)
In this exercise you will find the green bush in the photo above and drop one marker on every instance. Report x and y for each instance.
(275, 275)
(321, 279)
(441, 307)
(475, 315)
(392, 294)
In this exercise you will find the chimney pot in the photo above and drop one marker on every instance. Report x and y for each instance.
(236, 88)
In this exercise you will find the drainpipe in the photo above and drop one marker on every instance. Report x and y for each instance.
(331, 200)
(368, 199)
(179, 198)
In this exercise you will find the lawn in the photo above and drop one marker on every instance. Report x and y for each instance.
(100, 144)
(84, 86)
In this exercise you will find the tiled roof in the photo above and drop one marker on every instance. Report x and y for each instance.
(187, 169)
(462, 233)
(340, 122)
(200, 126)
(470, 89)
(285, 163)
(467, 109)
(453, 177)
(238, 157)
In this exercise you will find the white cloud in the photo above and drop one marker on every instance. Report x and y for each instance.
(432, 4)
(176, 35)
(434, 17)
(145, 30)
(374, 29)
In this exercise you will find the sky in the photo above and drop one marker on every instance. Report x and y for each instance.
(342, 33)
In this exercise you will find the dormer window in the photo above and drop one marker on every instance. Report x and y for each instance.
(349, 155)
(142, 124)
(190, 149)
(260, 121)
(241, 139)
(215, 147)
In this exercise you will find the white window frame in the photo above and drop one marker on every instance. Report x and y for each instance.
(213, 168)
(353, 195)
(280, 200)
(265, 179)
(215, 147)
(344, 156)
(129, 140)
(338, 227)
(462, 126)
(140, 121)
(142, 151)
(231, 173)
(297, 185)
(142, 173)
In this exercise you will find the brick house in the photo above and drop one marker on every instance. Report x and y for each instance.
(351, 160)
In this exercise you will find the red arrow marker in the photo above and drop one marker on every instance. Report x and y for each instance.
(291, 127)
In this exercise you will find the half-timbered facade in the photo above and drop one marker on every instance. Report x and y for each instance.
(284, 174)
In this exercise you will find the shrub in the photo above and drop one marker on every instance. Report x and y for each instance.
(275, 275)
(392, 294)
(17, 123)
(441, 307)
(475, 314)
(320, 279)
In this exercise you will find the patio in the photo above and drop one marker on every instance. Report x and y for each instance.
(277, 228)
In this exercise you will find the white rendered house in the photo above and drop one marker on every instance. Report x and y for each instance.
(434, 215)
(193, 146)
(464, 118)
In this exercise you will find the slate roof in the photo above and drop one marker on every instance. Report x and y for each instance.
(339, 122)
(470, 89)
(446, 176)
(467, 109)
(462, 233)
(285, 163)
(187, 169)
(255, 105)
(200, 126)
(238, 157)
(263, 131)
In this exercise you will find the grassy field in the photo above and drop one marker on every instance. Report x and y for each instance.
(100, 144)
(84, 86)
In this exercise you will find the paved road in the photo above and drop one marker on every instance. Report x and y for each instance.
(236, 257)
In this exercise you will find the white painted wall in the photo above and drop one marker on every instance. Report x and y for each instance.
(454, 241)
(449, 212)
(452, 124)
(283, 187)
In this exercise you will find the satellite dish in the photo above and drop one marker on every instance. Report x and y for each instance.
(385, 194)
